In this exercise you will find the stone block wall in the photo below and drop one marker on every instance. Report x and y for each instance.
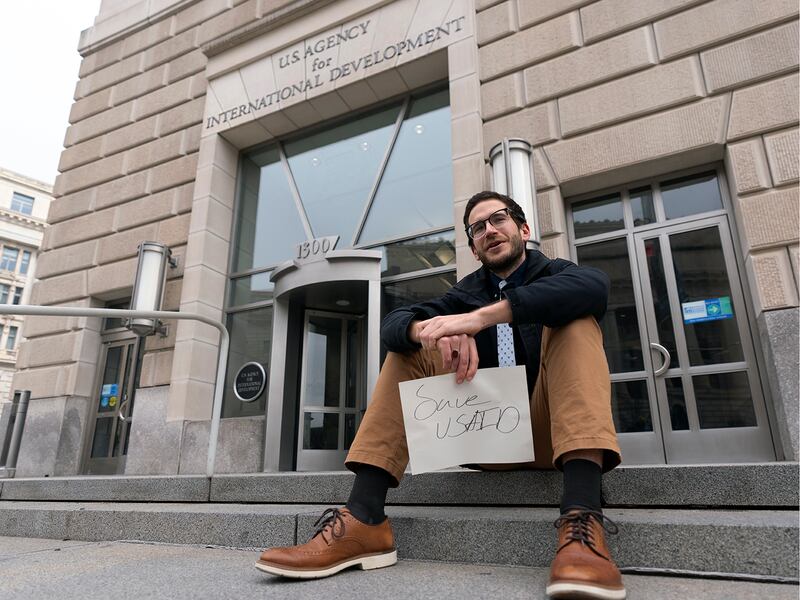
(126, 175)
(609, 91)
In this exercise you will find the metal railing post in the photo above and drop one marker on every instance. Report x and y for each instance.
(222, 360)
(20, 412)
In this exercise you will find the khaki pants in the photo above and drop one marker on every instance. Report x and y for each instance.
(570, 405)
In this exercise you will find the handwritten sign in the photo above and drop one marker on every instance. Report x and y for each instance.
(486, 420)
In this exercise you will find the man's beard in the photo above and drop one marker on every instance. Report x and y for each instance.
(504, 262)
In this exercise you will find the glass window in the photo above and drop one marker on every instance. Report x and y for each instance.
(253, 288)
(658, 285)
(678, 416)
(11, 340)
(323, 366)
(336, 169)
(25, 263)
(8, 260)
(269, 224)
(251, 340)
(425, 252)
(321, 184)
(630, 406)
(4, 291)
(599, 215)
(403, 293)
(642, 207)
(702, 277)
(22, 203)
(17, 295)
(621, 324)
(321, 431)
(723, 400)
(112, 322)
(691, 195)
(416, 191)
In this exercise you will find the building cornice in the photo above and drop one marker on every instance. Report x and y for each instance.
(15, 218)
(270, 21)
(15, 177)
(105, 32)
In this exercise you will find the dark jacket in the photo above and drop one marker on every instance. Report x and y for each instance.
(555, 293)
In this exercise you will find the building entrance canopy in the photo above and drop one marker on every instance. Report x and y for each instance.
(347, 281)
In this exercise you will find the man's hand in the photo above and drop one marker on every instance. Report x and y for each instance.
(447, 325)
(459, 356)
(459, 352)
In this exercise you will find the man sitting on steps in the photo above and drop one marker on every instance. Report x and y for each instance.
(520, 308)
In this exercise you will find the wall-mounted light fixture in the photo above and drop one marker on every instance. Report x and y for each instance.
(512, 174)
(148, 287)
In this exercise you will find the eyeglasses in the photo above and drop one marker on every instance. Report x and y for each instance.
(498, 218)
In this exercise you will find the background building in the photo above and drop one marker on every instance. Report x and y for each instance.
(243, 134)
(24, 203)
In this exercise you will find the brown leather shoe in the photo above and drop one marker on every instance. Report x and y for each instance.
(583, 567)
(341, 541)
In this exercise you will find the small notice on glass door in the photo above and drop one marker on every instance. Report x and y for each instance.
(711, 309)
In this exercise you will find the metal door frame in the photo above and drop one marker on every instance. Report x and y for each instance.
(331, 460)
(695, 444)
(111, 465)
(639, 442)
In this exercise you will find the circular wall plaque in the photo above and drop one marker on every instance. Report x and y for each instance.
(249, 381)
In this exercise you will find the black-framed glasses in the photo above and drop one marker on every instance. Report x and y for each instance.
(498, 218)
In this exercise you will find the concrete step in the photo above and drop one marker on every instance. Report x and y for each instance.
(757, 542)
(102, 570)
(763, 485)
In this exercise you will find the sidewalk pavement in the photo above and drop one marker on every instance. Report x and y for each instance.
(32, 568)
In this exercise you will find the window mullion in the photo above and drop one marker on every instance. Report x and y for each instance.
(296, 194)
(398, 124)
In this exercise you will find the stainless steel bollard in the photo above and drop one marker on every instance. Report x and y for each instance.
(16, 435)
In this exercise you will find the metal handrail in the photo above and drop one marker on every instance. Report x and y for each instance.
(222, 360)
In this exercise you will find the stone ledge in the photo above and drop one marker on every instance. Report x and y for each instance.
(702, 485)
(180, 488)
(757, 485)
(753, 542)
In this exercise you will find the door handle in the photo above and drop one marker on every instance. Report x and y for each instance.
(121, 414)
(667, 358)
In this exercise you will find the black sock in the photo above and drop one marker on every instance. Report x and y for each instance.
(368, 497)
(582, 485)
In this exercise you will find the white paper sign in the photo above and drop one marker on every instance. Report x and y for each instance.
(486, 420)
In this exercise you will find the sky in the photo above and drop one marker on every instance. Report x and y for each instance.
(39, 64)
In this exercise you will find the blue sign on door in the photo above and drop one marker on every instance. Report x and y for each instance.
(711, 309)
(108, 392)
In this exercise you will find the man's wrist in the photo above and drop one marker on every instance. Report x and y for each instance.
(492, 314)
(413, 331)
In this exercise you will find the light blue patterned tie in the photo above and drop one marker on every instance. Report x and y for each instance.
(505, 341)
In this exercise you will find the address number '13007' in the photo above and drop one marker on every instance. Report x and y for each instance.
(316, 248)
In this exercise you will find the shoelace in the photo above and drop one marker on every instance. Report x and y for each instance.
(330, 519)
(579, 523)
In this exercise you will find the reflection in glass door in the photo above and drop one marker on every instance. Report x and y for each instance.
(331, 389)
(108, 446)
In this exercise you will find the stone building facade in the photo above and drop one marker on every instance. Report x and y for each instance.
(24, 203)
(665, 150)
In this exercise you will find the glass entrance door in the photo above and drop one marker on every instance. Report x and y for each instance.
(108, 444)
(700, 351)
(685, 386)
(332, 389)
